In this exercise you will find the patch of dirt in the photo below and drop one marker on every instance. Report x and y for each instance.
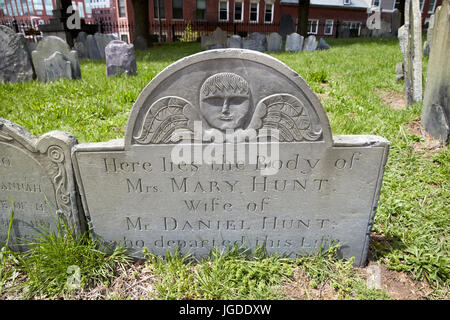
(430, 145)
(398, 285)
(393, 99)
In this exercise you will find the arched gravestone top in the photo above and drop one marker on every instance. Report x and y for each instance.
(268, 79)
(36, 175)
(322, 190)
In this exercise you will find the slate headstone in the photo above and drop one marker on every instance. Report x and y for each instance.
(235, 41)
(294, 42)
(140, 43)
(436, 103)
(15, 60)
(274, 42)
(148, 189)
(255, 41)
(310, 43)
(286, 26)
(120, 58)
(323, 45)
(57, 66)
(92, 48)
(81, 49)
(216, 40)
(47, 47)
(36, 175)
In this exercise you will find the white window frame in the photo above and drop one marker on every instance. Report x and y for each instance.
(317, 26)
(434, 7)
(242, 11)
(250, 12)
(272, 12)
(325, 27)
(350, 23)
(421, 7)
(347, 2)
(228, 10)
(376, 5)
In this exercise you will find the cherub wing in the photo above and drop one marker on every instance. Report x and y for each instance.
(166, 120)
(288, 115)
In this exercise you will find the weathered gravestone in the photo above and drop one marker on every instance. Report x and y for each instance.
(294, 42)
(323, 45)
(15, 60)
(255, 41)
(140, 43)
(102, 41)
(235, 41)
(216, 40)
(120, 58)
(92, 48)
(274, 42)
(310, 43)
(436, 102)
(36, 180)
(81, 49)
(45, 49)
(57, 66)
(286, 26)
(148, 190)
(427, 44)
(410, 38)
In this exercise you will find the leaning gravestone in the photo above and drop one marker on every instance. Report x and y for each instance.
(310, 43)
(235, 41)
(153, 190)
(37, 182)
(255, 41)
(45, 49)
(436, 102)
(294, 42)
(410, 38)
(15, 60)
(323, 45)
(274, 42)
(120, 58)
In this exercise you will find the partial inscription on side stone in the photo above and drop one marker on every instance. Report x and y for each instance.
(319, 190)
(36, 179)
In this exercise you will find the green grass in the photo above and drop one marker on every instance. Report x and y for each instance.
(413, 210)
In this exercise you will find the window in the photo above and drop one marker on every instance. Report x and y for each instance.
(254, 9)
(38, 5)
(122, 12)
(201, 10)
(432, 6)
(421, 5)
(238, 11)
(268, 13)
(355, 28)
(80, 9)
(48, 7)
(223, 10)
(375, 3)
(313, 26)
(30, 7)
(14, 9)
(347, 2)
(177, 9)
(328, 30)
(161, 9)
(22, 9)
(87, 6)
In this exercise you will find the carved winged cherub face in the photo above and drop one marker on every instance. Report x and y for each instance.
(225, 101)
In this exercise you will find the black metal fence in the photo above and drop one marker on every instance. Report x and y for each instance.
(168, 31)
